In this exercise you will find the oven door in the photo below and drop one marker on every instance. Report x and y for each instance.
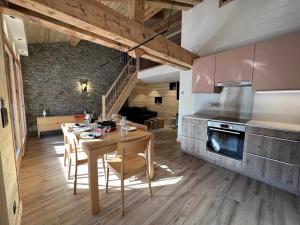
(226, 142)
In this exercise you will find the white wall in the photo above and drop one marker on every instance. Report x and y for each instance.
(208, 29)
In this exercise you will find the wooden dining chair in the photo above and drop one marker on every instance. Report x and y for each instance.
(130, 162)
(137, 125)
(79, 157)
(67, 150)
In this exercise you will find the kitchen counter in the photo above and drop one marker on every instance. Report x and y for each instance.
(275, 125)
(271, 150)
(200, 116)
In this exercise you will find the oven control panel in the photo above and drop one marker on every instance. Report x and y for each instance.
(227, 126)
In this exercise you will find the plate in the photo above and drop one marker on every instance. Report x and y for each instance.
(130, 128)
(77, 125)
(82, 129)
(90, 135)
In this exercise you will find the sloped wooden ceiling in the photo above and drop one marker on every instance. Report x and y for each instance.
(36, 33)
(97, 22)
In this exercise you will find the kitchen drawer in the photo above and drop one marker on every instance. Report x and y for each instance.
(272, 132)
(198, 121)
(279, 174)
(274, 148)
(194, 131)
(193, 146)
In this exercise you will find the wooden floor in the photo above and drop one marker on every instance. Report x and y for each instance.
(186, 191)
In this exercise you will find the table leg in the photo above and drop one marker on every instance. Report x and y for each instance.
(151, 156)
(93, 181)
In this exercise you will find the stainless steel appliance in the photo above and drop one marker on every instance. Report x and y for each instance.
(225, 136)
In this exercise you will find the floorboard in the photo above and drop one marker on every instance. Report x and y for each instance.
(186, 190)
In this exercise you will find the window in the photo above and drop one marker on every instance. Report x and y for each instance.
(158, 100)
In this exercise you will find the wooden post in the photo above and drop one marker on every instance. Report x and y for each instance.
(103, 107)
(138, 66)
(136, 10)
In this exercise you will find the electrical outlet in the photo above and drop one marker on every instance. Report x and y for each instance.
(214, 104)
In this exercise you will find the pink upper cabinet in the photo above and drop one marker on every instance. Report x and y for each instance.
(235, 65)
(277, 64)
(204, 74)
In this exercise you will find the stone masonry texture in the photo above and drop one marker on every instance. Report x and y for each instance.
(51, 75)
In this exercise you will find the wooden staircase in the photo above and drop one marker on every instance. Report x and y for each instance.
(118, 93)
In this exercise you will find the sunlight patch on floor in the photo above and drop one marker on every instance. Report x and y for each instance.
(114, 182)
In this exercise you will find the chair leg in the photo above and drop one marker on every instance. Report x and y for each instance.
(149, 181)
(65, 157)
(122, 195)
(103, 162)
(69, 170)
(107, 178)
(75, 180)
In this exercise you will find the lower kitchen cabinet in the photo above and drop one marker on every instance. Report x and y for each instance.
(279, 174)
(194, 135)
(274, 148)
(271, 156)
(193, 146)
(194, 131)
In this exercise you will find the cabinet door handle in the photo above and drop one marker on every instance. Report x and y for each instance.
(225, 131)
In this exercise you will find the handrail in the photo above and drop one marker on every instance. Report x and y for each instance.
(119, 77)
(112, 95)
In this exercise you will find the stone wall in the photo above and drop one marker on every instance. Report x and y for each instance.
(51, 77)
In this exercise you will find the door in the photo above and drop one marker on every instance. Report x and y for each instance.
(235, 65)
(204, 75)
(15, 103)
(277, 64)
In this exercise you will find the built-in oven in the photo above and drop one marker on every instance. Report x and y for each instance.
(226, 139)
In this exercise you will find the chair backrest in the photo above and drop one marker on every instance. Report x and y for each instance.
(65, 132)
(133, 147)
(79, 118)
(73, 140)
(137, 125)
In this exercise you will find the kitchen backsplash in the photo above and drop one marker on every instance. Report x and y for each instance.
(231, 102)
(277, 106)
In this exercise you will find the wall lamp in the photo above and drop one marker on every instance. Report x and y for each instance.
(84, 83)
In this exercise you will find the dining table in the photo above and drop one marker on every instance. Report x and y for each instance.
(107, 143)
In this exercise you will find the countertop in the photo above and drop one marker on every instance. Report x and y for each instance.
(275, 125)
(200, 116)
(255, 123)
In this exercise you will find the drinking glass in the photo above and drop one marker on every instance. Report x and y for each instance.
(108, 128)
(123, 121)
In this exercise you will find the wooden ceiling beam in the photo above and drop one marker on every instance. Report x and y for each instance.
(50, 23)
(136, 10)
(191, 2)
(164, 23)
(74, 41)
(96, 18)
(167, 4)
